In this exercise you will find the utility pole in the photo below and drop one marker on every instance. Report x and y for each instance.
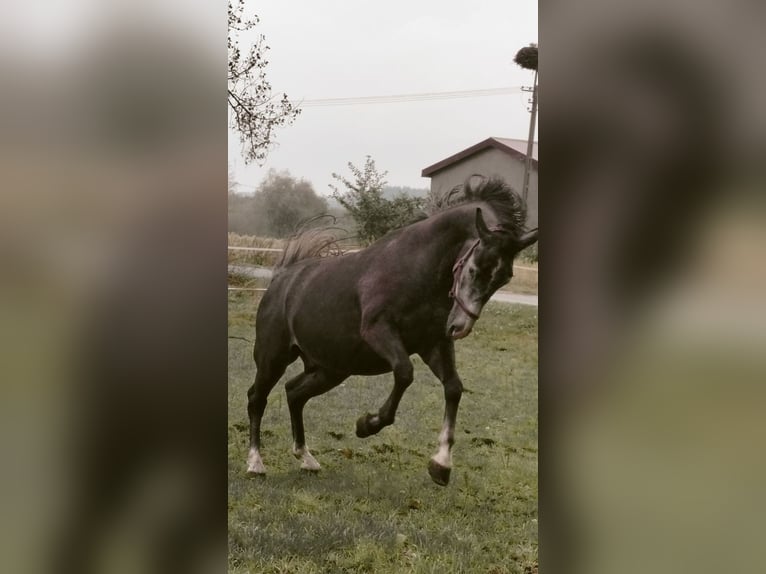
(527, 58)
(531, 140)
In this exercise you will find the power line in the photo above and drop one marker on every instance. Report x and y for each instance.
(396, 98)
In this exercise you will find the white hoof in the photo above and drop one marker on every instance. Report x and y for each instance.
(308, 462)
(255, 463)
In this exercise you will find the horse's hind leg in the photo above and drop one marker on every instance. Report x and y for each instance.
(310, 383)
(270, 369)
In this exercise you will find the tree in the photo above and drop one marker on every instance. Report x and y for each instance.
(374, 214)
(255, 113)
(284, 202)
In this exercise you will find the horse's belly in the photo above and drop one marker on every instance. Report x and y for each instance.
(325, 325)
(342, 357)
(334, 342)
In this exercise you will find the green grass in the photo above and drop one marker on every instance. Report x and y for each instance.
(372, 507)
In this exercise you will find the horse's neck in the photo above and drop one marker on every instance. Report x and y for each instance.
(461, 223)
(456, 229)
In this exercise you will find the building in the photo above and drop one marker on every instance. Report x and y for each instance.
(493, 157)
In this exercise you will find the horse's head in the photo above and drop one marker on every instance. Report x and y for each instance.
(482, 270)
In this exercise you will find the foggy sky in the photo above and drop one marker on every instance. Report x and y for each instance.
(337, 49)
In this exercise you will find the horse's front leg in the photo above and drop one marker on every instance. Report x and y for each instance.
(385, 341)
(441, 361)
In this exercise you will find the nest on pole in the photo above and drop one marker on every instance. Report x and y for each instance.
(527, 57)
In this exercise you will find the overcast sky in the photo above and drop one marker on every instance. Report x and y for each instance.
(340, 49)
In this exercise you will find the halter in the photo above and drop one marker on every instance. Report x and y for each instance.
(457, 270)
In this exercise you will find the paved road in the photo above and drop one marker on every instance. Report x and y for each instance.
(501, 296)
(505, 297)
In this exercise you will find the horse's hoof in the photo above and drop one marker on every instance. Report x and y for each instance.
(363, 429)
(255, 470)
(308, 462)
(439, 474)
(254, 475)
(255, 464)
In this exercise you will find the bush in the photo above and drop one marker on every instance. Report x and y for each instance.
(373, 214)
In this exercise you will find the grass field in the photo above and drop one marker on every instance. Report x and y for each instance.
(372, 507)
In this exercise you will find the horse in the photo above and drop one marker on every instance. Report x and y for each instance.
(416, 290)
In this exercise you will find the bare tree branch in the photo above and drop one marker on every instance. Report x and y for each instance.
(255, 111)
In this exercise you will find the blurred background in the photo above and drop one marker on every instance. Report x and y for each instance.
(654, 303)
(113, 175)
(113, 286)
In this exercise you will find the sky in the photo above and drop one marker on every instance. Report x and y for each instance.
(343, 49)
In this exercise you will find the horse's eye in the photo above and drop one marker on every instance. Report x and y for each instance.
(472, 271)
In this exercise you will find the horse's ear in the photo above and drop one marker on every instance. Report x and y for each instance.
(528, 238)
(484, 233)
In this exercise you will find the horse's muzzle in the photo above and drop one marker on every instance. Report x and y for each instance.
(455, 332)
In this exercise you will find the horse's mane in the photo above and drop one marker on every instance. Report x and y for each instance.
(506, 203)
(313, 240)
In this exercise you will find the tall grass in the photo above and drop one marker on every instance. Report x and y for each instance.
(264, 259)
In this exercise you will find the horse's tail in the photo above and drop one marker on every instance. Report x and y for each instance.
(311, 240)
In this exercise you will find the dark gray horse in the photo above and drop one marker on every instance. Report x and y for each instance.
(415, 290)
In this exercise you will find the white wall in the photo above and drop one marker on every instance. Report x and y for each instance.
(490, 163)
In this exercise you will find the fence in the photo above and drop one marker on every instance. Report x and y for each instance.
(278, 250)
